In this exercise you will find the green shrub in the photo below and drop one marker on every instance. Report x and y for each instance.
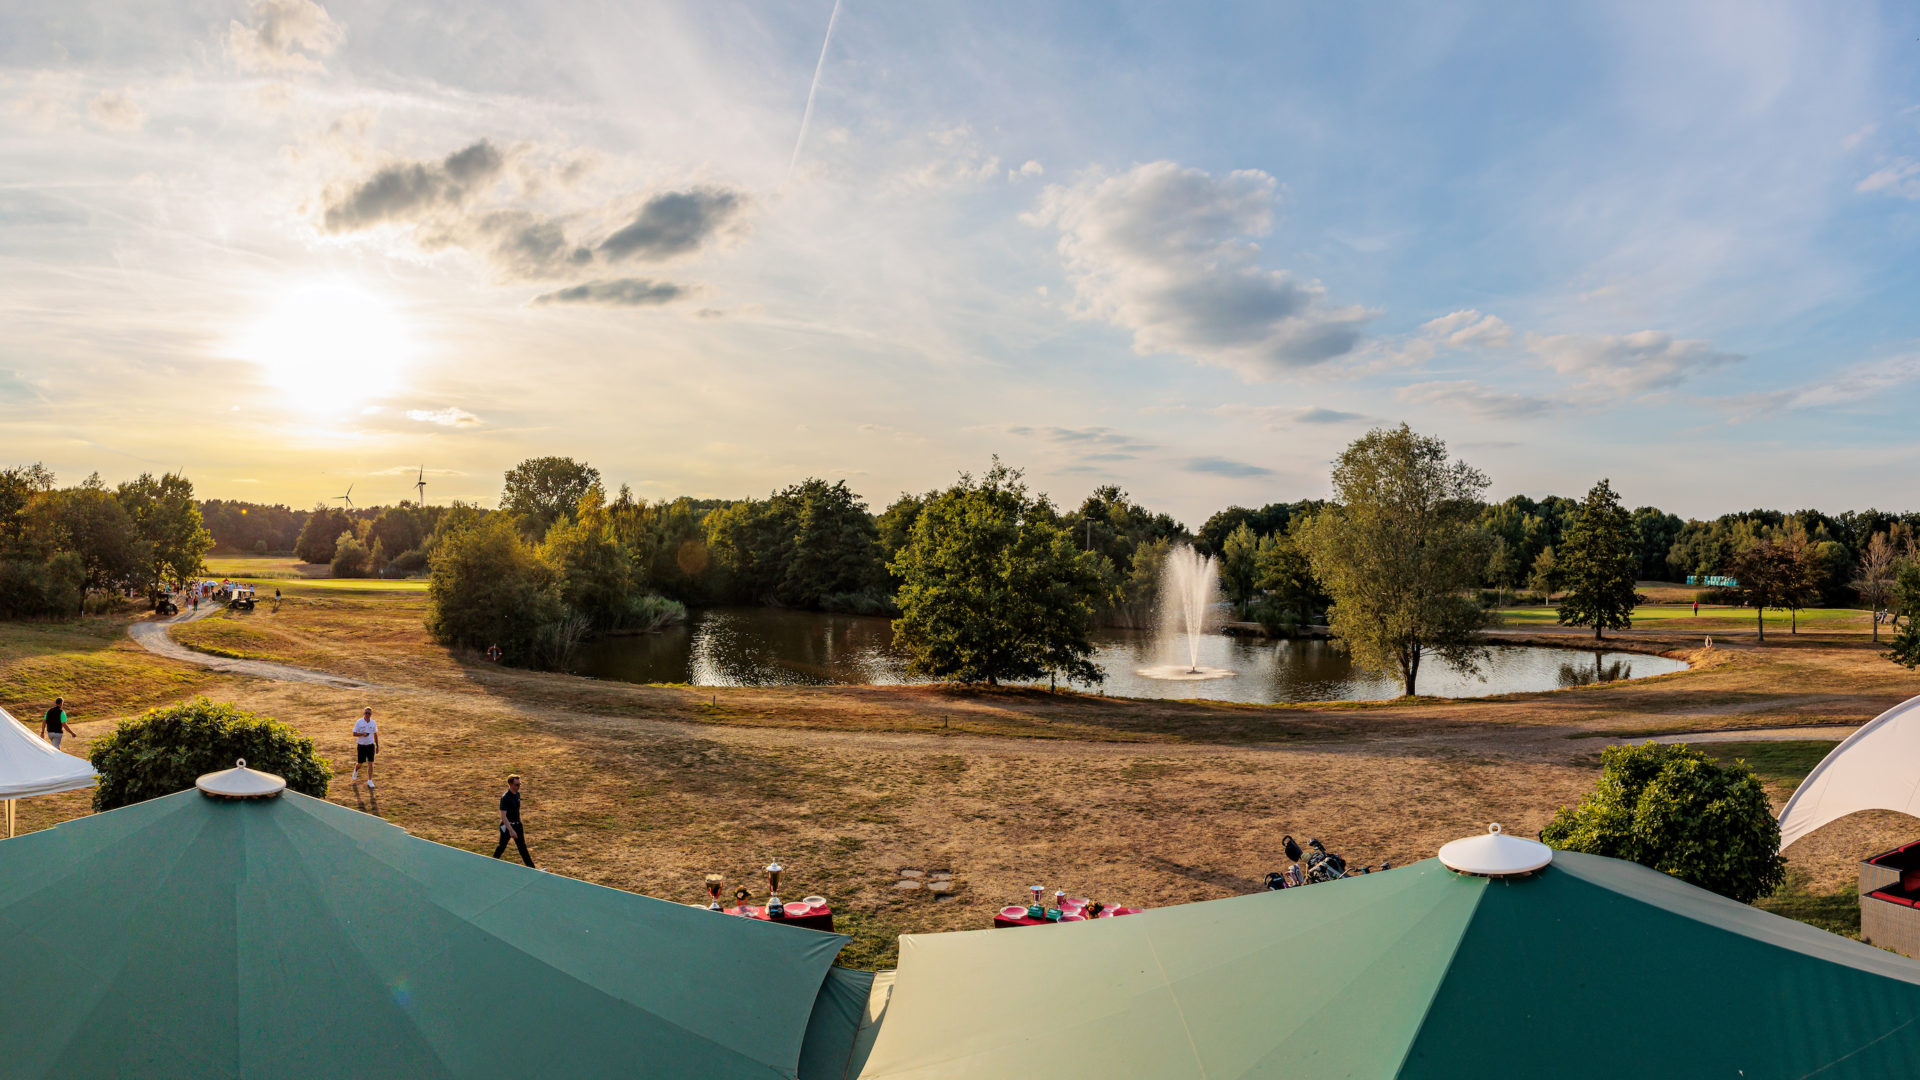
(167, 749)
(1671, 808)
(490, 588)
(34, 589)
(350, 557)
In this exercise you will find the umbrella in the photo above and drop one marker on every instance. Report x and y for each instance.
(30, 765)
(1590, 967)
(279, 935)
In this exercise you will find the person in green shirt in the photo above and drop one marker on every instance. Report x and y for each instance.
(54, 725)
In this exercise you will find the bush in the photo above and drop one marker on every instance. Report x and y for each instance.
(408, 563)
(168, 749)
(489, 588)
(350, 557)
(649, 611)
(50, 589)
(1671, 808)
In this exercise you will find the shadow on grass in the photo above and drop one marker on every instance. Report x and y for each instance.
(1785, 762)
(1836, 913)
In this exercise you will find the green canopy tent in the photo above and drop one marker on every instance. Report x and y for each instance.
(1590, 968)
(286, 936)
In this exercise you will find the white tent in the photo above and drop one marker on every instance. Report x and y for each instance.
(30, 765)
(1876, 768)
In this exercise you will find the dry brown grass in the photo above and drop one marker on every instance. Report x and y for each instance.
(650, 787)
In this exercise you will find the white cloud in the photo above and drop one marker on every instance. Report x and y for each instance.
(1861, 135)
(1648, 360)
(1167, 253)
(1856, 382)
(1283, 417)
(447, 417)
(282, 36)
(1470, 329)
(1477, 400)
(1901, 178)
(117, 110)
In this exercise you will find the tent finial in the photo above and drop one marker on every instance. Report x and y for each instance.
(240, 782)
(1495, 853)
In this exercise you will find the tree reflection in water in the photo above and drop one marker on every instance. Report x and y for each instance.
(1601, 670)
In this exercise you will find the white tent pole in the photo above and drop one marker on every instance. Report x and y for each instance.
(10, 803)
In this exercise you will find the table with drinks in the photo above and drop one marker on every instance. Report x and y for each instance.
(1065, 909)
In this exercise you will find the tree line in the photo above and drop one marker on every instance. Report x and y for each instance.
(63, 549)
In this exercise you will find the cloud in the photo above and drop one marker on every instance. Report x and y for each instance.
(1167, 253)
(447, 417)
(1902, 178)
(283, 35)
(1281, 417)
(1478, 400)
(1859, 136)
(673, 223)
(1856, 382)
(1101, 438)
(116, 109)
(1218, 466)
(403, 190)
(1648, 360)
(1469, 329)
(616, 292)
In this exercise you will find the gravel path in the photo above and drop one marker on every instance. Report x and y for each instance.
(152, 635)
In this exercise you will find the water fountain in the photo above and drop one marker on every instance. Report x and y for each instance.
(1189, 603)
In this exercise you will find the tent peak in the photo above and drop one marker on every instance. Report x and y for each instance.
(1496, 853)
(240, 782)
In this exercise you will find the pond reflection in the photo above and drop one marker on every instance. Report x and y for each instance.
(766, 646)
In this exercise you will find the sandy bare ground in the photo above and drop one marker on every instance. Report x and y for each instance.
(155, 636)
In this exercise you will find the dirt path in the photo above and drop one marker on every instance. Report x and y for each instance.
(153, 636)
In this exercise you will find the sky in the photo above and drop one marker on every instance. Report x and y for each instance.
(712, 248)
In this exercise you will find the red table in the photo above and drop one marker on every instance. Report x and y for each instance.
(1068, 913)
(816, 918)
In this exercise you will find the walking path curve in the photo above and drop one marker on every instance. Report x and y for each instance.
(152, 635)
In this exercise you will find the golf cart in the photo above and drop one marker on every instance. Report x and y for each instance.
(163, 604)
(239, 597)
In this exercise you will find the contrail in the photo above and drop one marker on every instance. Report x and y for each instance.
(806, 118)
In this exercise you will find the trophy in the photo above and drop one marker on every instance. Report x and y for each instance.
(1036, 910)
(740, 895)
(775, 909)
(713, 891)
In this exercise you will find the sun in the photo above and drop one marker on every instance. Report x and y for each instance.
(330, 347)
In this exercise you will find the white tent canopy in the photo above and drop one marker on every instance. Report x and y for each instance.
(30, 765)
(1876, 768)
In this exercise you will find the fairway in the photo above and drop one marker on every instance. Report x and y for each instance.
(291, 576)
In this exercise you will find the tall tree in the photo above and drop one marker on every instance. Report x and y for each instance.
(1398, 550)
(320, 533)
(1503, 568)
(1874, 585)
(993, 589)
(545, 489)
(1545, 575)
(1240, 565)
(1597, 559)
(167, 519)
(1768, 574)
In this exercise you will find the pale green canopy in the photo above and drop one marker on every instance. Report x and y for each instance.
(290, 937)
(1592, 968)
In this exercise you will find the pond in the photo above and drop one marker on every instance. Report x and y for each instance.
(766, 646)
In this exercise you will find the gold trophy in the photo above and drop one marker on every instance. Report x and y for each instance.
(775, 909)
(714, 881)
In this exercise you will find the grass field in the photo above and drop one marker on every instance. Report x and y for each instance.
(1149, 802)
(291, 576)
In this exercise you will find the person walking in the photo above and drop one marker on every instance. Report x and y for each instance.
(1696, 609)
(53, 726)
(366, 736)
(510, 828)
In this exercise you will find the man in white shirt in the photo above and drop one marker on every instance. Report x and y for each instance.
(366, 737)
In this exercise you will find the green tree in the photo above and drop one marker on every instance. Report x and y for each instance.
(1503, 567)
(167, 749)
(1285, 575)
(1769, 573)
(545, 489)
(89, 522)
(320, 533)
(1397, 552)
(1598, 557)
(167, 520)
(1905, 649)
(1544, 578)
(595, 577)
(489, 588)
(1239, 565)
(350, 557)
(993, 589)
(895, 529)
(1669, 807)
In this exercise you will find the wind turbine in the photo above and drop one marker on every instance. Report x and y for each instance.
(420, 487)
(347, 498)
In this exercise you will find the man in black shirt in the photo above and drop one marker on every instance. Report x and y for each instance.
(510, 821)
(53, 726)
